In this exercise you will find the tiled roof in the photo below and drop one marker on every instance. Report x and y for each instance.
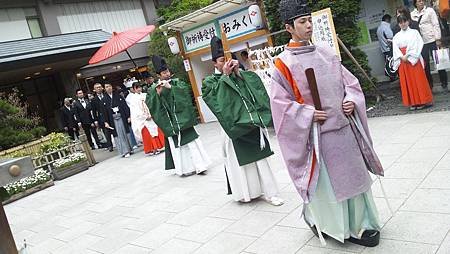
(43, 46)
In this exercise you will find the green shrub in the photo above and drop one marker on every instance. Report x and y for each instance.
(56, 142)
(158, 41)
(17, 125)
(344, 18)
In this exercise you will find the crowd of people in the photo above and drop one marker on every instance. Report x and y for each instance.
(313, 132)
(407, 45)
(121, 114)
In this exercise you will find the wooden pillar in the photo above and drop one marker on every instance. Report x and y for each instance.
(266, 24)
(86, 148)
(191, 75)
(7, 244)
(225, 44)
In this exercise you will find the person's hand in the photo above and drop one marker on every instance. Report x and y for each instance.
(235, 64)
(74, 129)
(107, 125)
(348, 107)
(320, 116)
(438, 43)
(227, 67)
(404, 58)
(92, 125)
(129, 120)
(66, 128)
(159, 89)
(96, 124)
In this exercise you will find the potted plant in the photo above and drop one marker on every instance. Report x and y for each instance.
(28, 185)
(72, 164)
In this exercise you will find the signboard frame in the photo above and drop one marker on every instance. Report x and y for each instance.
(218, 26)
(329, 16)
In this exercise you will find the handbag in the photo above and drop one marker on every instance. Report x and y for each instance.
(441, 58)
(101, 136)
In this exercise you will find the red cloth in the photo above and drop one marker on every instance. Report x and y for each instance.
(414, 84)
(151, 144)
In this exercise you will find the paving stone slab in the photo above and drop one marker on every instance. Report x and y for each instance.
(255, 223)
(417, 227)
(205, 230)
(429, 200)
(284, 240)
(226, 243)
(392, 246)
(445, 245)
(158, 236)
(177, 246)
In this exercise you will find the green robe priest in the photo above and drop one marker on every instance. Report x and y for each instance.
(240, 102)
(170, 105)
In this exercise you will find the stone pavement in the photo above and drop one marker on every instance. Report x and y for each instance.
(133, 206)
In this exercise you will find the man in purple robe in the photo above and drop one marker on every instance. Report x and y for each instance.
(328, 152)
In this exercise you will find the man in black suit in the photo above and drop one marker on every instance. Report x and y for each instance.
(84, 117)
(117, 117)
(99, 118)
(68, 119)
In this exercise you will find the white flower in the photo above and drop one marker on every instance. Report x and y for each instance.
(40, 176)
(69, 160)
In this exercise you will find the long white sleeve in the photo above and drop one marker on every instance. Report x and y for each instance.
(415, 45)
(396, 53)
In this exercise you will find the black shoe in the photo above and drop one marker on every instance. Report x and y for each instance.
(314, 230)
(202, 173)
(370, 238)
(110, 149)
(92, 148)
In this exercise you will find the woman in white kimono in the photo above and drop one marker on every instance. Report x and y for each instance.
(142, 124)
(407, 47)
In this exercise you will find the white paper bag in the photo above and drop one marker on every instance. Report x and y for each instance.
(441, 58)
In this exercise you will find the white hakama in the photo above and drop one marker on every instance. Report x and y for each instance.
(189, 158)
(249, 181)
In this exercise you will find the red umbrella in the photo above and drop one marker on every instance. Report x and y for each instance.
(120, 42)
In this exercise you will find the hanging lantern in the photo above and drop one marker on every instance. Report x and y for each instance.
(173, 45)
(254, 12)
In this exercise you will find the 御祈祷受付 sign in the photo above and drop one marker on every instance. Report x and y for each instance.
(199, 37)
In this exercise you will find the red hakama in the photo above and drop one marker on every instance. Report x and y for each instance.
(152, 144)
(414, 84)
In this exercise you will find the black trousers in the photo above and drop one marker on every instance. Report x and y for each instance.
(107, 136)
(88, 130)
(72, 133)
(426, 51)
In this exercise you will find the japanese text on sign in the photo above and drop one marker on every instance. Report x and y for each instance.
(323, 29)
(199, 37)
(237, 24)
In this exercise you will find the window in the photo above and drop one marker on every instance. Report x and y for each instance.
(34, 26)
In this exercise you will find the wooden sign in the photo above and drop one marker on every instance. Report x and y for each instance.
(323, 29)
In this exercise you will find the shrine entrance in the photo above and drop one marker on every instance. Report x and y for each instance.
(194, 33)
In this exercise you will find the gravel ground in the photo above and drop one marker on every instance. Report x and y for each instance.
(393, 105)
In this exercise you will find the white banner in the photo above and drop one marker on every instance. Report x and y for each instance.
(237, 24)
